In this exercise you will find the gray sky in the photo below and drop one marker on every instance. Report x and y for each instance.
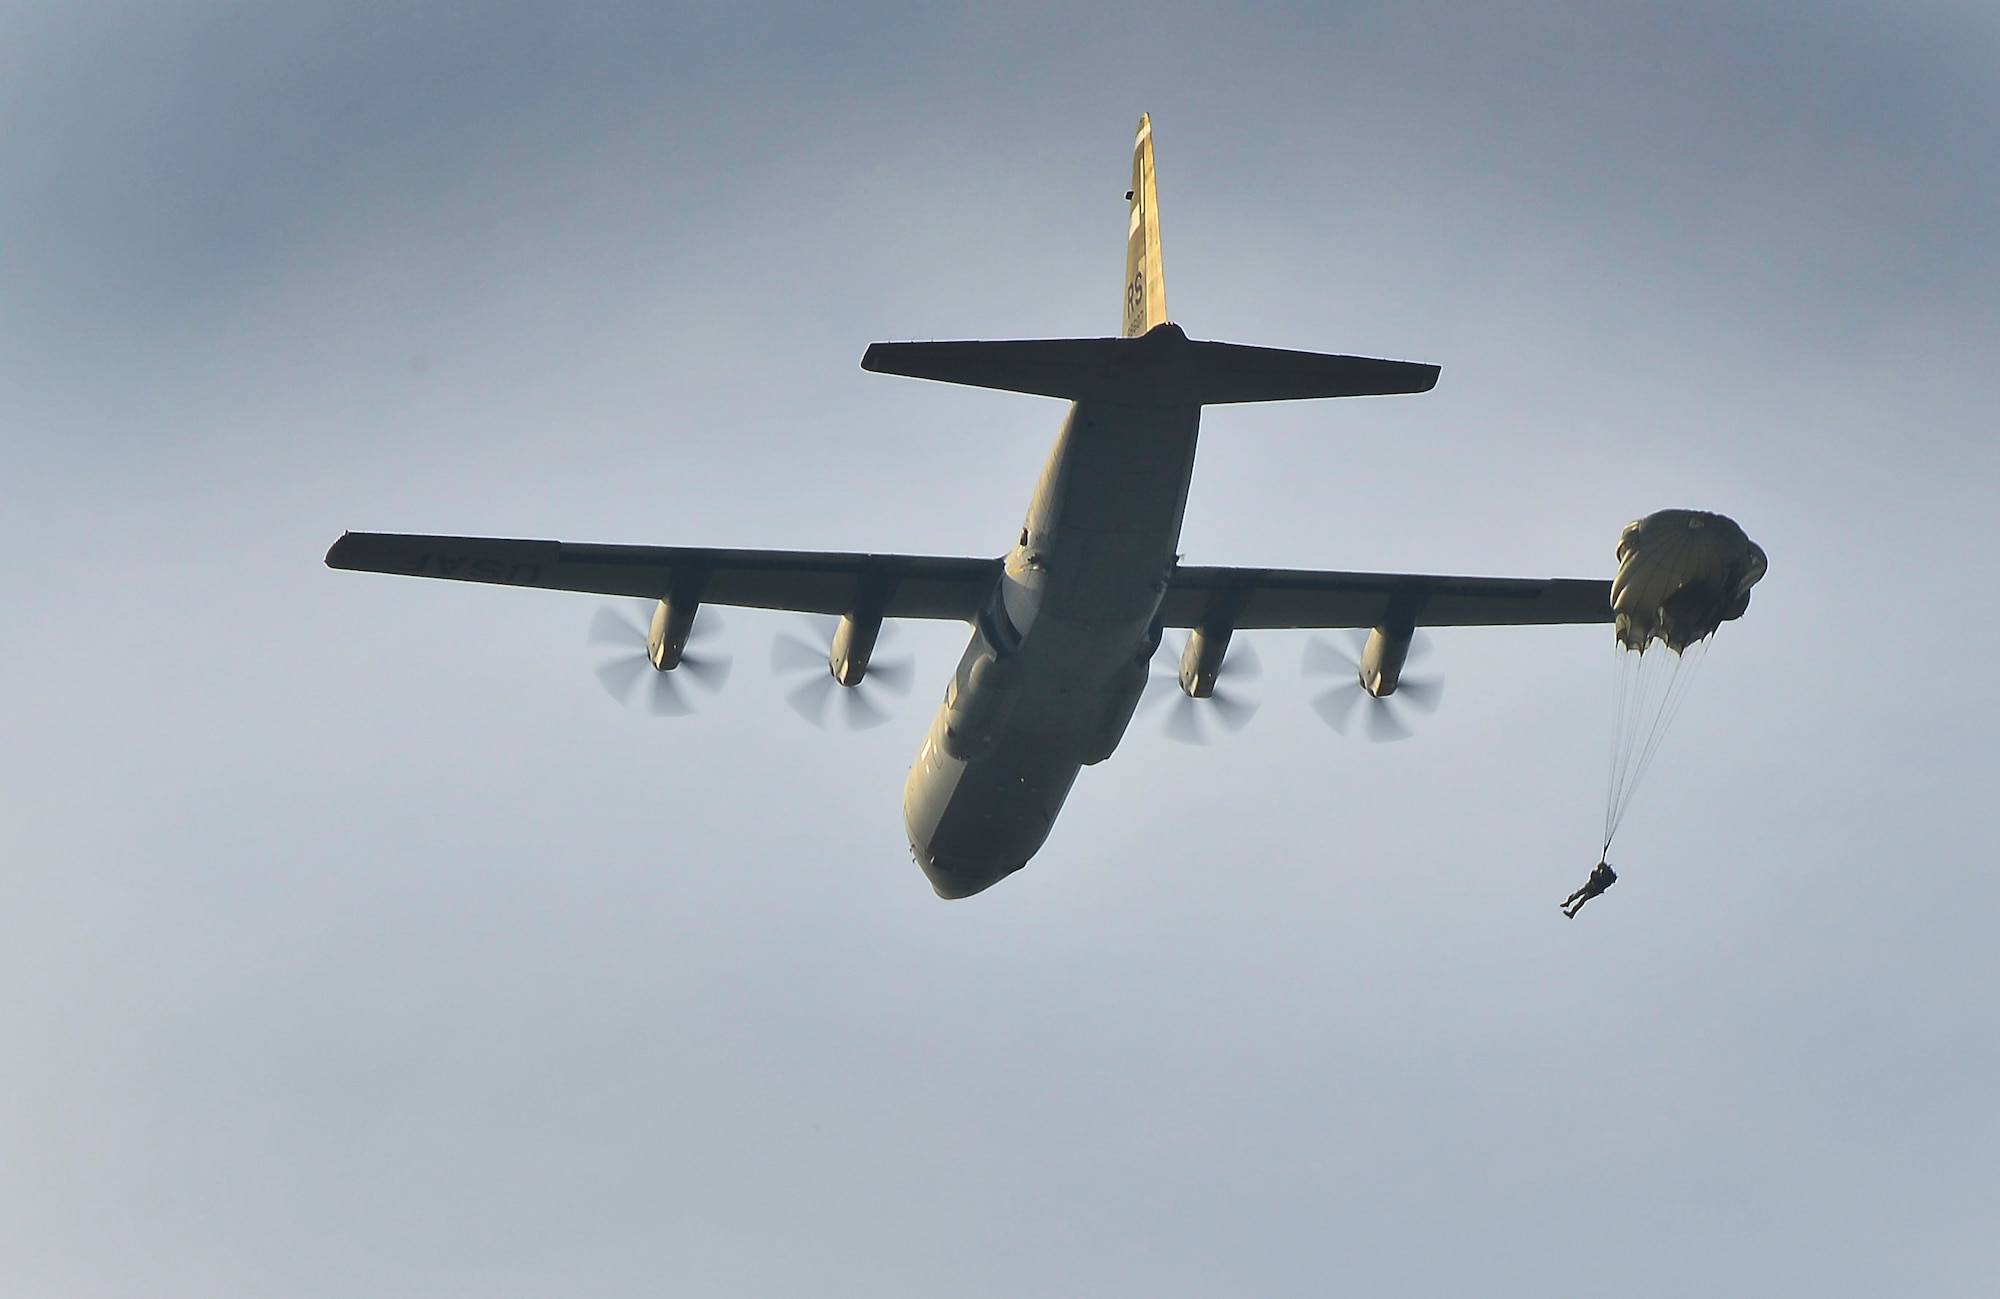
(355, 943)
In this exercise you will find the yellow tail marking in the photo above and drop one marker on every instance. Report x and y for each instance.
(1145, 283)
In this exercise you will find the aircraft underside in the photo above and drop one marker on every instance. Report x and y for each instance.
(1058, 658)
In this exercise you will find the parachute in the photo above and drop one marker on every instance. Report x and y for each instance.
(1681, 575)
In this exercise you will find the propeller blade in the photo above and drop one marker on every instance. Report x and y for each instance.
(1231, 709)
(1336, 706)
(620, 675)
(1323, 658)
(810, 700)
(667, 698)
(859, 712)
(1383, 724)
(894, 675)
(608, 626)
(1423, 693)
(1184, 722)
(710, 670)
(790, 653)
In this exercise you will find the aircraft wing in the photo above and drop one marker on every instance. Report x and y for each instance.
(1251, 598)
(928, 586)
(905, 586)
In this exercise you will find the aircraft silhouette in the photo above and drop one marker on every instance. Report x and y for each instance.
(1067, 621)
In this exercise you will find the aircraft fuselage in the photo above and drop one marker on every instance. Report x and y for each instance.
(1060, 654)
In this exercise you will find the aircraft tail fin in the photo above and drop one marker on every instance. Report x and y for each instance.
(1145, 283)
(1153, 362)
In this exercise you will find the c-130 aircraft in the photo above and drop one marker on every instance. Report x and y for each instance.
(1067, 621)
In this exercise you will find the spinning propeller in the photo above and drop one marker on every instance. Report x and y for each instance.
(666, 693)
(1384, 716)
(1223, 705)
(864, 680)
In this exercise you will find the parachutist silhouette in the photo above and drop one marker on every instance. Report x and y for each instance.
(1601, 878)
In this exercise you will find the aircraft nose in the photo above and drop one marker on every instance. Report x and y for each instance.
(952, 883)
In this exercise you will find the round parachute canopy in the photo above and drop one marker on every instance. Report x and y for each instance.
(1681, 574)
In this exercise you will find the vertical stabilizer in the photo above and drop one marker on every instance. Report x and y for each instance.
(1145, 285)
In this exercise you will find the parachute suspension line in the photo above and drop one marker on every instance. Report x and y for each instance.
(1639, 696)
(1653, 686)
(1685, 672)
(1649, 697)
(1626, 663)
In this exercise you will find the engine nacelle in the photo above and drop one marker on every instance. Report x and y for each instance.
(1201, 661)
(853, 644)
(673, 619)
(1382, 659)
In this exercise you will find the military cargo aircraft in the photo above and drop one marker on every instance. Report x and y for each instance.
(1065, 623)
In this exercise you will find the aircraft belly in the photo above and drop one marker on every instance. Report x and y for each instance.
(1084, 588)
(1121, 468)
(972, 824)
(1107, 514)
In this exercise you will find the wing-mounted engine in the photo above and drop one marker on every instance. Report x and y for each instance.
(1375, 688)
(1201, 660)
(1382, 657)
(853, 643)
(667, 637)
(843, 678)
(1208, 679)
(847, 669)
(658, 636)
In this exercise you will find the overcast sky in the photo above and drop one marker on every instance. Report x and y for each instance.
(353, 942)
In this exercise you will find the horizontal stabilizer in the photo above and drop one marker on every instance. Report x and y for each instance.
(1163, 368)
